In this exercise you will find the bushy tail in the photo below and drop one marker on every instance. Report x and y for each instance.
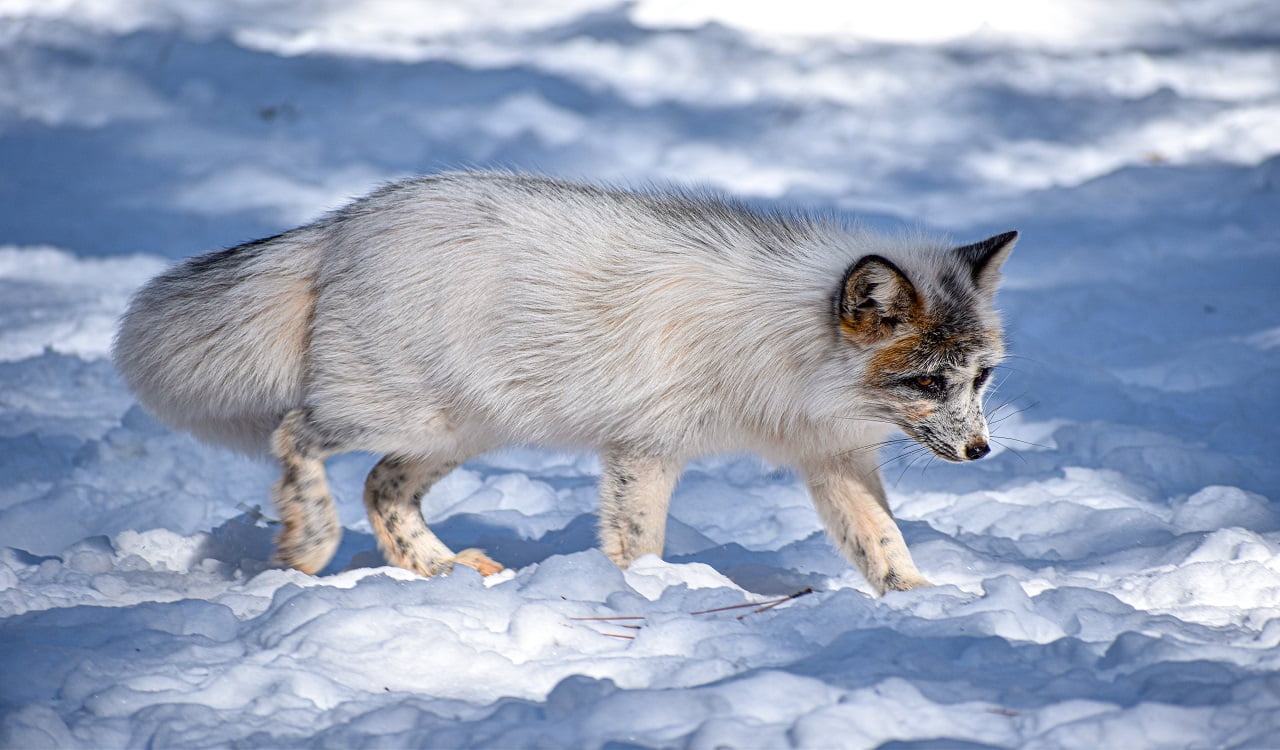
(216, 344)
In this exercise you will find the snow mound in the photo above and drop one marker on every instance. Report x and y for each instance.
(1108, 577)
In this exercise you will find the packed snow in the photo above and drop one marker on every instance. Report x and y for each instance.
(1109, 577)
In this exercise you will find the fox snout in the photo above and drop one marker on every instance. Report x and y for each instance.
(978, 443)
(957, 439)
(970, 451)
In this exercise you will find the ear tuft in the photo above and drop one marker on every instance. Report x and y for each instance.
(985, 258)
(876, 298)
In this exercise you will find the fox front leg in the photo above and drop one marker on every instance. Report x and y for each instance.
(850, 499)
(635, 492)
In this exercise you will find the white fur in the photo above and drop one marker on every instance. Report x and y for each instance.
(459, 312)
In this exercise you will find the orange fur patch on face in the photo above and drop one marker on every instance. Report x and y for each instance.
(894, 360)
(929, 350)
(920, 410)
(862, 329)
(867, 327)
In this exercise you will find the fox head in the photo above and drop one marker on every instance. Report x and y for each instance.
(930, 340)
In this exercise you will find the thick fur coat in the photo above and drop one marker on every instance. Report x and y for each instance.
(442, 317)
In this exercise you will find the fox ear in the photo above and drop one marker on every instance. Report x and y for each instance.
(876, 298)
(985, 258)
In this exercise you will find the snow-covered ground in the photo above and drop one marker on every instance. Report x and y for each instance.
(1110, 578)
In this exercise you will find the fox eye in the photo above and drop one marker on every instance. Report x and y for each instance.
(926, 383)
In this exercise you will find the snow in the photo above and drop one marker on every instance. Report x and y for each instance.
(1109, 577)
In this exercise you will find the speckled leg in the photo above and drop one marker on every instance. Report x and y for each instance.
(635, 491)
(310, 529)
(392, 495)
(851, 501)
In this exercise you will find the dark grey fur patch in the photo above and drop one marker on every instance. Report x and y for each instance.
(979, 254)
(229, 258)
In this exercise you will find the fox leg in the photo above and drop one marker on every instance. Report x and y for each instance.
(310, 529)
(851, 501)
(393, 495)
(635, 491)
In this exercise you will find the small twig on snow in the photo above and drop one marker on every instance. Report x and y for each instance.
(758, 607)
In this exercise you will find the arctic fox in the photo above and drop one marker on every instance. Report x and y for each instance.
(442, 317)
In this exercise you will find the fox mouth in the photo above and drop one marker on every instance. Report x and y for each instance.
(935, 446)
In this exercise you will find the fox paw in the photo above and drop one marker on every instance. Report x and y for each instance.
(474, 558)
(896, 582)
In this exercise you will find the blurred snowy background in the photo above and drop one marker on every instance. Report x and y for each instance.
(1112, 579)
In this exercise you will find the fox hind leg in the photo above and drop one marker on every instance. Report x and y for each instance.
(310, 529)
(635, 492)
(392, 495)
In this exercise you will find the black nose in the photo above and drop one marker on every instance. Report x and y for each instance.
(974, 451)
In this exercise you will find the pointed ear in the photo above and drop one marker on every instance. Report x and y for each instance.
(985, 258)
(876, 298)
